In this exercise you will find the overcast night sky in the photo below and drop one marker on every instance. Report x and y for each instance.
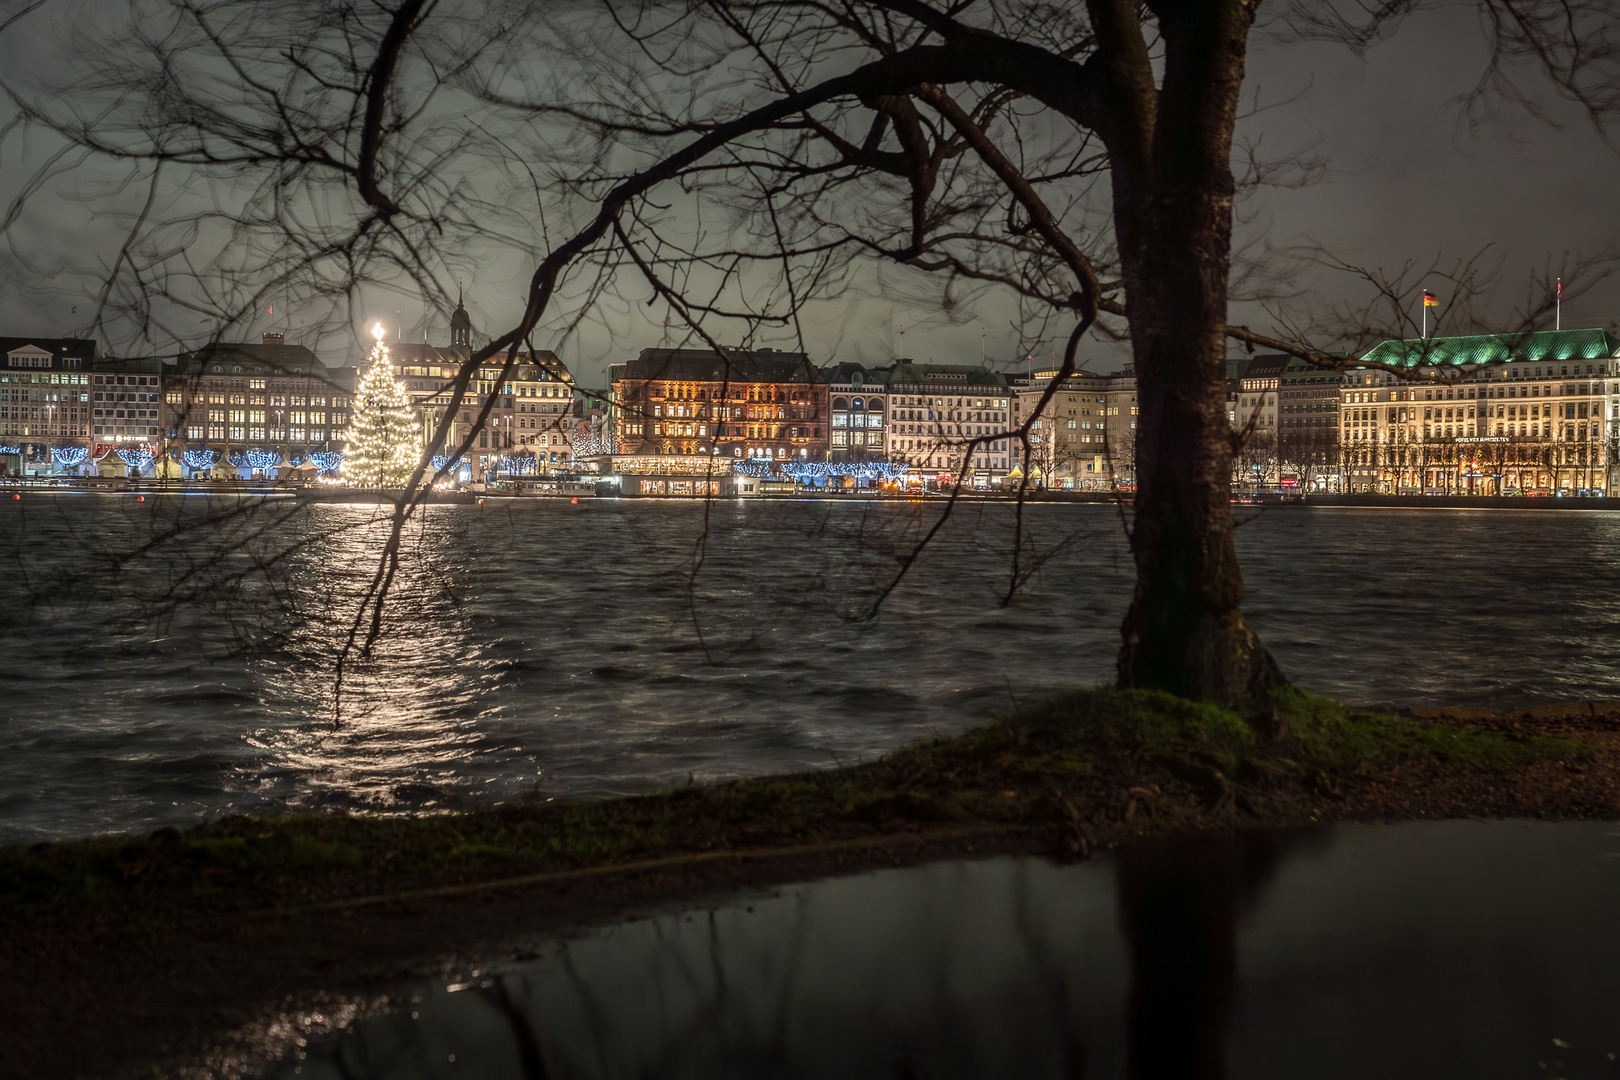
(1404, 182)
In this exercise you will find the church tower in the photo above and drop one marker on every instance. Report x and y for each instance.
(460, 326)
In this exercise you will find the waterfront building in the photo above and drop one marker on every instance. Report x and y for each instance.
(1257, 393)
(1255, 414)
(858, 408)
(126, 400)
(528, 427)
(529, 423)
(1120, 415)
(696, 475)
(1068, 442)
(1307, 428)
(1531, 413)
(229, 405)
(759, 405)
(45, 405)
(1085, 439)
(946, 420)
(126, 417)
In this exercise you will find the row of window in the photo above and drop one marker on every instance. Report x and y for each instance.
(54, 378)
(1569, 410)
(237, 433)
(1542, 372)
(857, 438)
(217, 397)
(794, 394)
(8, 394)
(948, 403)
(736, 431)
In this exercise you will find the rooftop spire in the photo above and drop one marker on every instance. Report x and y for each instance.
(460, 323)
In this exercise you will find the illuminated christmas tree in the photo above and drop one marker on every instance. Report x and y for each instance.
(383, 442)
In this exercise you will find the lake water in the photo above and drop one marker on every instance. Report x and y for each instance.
(1422, 950)
(175, 659)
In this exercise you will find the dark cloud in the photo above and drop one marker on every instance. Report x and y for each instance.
(1404, 181)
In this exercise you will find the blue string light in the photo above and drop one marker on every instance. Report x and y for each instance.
(5, 449)
(518, 466)
(199, 459)
(67, 456)
(262, 459)
(327, 461)
(808, 472)
(138, 456)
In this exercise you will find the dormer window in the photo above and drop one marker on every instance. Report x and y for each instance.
(29, 356)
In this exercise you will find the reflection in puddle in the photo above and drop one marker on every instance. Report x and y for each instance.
(1426, 949)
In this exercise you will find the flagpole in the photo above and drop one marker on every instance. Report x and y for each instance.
(1558, 308)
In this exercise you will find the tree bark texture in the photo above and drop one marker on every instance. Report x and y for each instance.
(1173, 192)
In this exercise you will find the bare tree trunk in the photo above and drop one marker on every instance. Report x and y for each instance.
(1173, 190)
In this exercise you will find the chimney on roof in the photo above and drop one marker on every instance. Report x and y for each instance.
(274, 339)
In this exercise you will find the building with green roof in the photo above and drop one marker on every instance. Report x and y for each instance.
(1532, 347)
(1531, 413)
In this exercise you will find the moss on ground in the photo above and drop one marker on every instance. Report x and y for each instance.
(1056, 768)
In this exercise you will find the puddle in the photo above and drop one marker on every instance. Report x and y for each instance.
(1466, 949)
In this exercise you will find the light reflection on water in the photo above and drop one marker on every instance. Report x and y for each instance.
(570, 650)
(1417, 950)
(408, 713)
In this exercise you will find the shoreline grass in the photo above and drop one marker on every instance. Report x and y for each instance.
(1070, 770)
(181, 943)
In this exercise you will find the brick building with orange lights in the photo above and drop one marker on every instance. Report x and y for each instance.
(753, 404)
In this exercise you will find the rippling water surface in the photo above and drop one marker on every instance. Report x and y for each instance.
(177, 659)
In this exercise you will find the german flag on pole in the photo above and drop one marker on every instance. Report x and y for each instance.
(1430, 300)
